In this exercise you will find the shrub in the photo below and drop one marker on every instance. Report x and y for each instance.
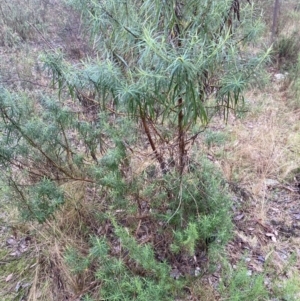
(114, 113)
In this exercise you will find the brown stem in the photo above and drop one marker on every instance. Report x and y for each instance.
(157, 132)
(68, 150)
(157, 155)
(14, 184)
(181, 140)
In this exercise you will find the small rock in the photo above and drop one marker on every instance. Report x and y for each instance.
(279, 76)
(197, 271)
(271, 182)
(175, 273)
(11, 242)
(261, 258)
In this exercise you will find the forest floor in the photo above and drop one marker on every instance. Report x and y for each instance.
(262, 152)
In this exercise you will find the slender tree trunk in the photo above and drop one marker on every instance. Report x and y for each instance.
(181, 131)
(275, 20)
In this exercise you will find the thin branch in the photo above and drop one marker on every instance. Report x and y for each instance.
(37, 147)
(157, 155)
(179, 205)
(67, 148)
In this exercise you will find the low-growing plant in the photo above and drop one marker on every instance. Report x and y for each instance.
(50, 155)
(241, 284)
(288, 289)
(214, 138)
(286, 50)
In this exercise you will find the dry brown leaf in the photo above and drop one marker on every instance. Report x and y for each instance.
(239, 217)
(9, 277)
(269, 234)
(273, 238)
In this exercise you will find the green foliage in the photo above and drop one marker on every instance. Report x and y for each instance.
(186, 240)
(214, 138)
(286, 50)
(178, 66)
(118, 281)
(288, 289)
(44, 198)
(87, 298)
(240, 285)
(142, 255)
(77, 263)
(285, 281)
(154, 280)
(174, 58)
(203, 209)
(162, 68)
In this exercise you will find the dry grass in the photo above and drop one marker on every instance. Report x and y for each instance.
(70, 229)
(43, 265)
(263, 144)
(201, 291)
(17, 258)
(262, 155)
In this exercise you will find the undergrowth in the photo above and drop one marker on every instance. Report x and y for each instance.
(149, 225)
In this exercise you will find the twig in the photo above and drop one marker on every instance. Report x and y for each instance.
(51, 47)
(179, 205)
